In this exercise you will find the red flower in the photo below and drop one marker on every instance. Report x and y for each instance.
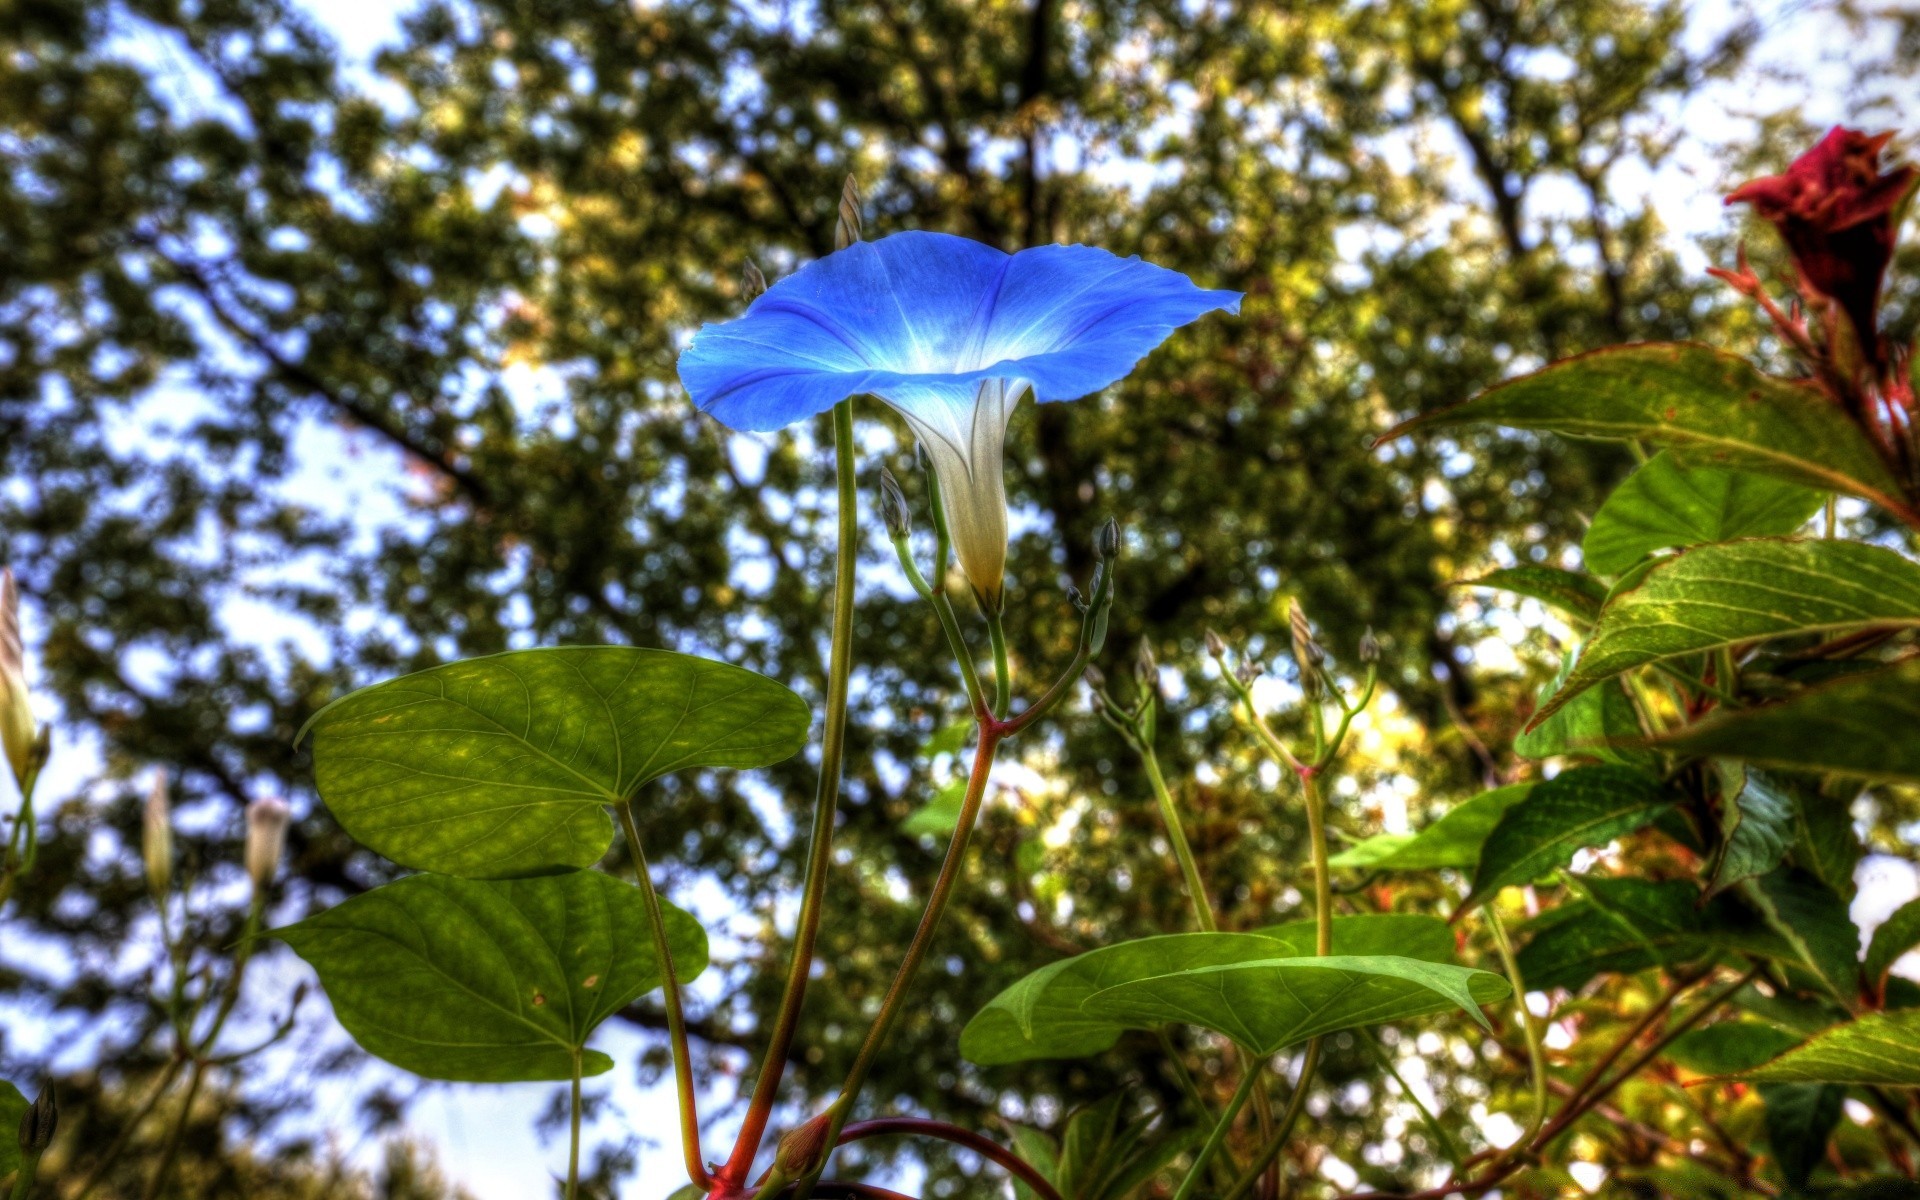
(1837, 211)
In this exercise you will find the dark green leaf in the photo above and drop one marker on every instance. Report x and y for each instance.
(1268, 1004)
(1729, 1047)
(1757, 821)
(1663, 505)
(1598, 723)
(1714, 596)
(1800, 1119)
(1624, 925)
(1881, 1049)
(1041, 1016)
(1825, 841)
(1576, 594)
(1576, 809)
(1452, 841)
(503, 766)
(13, 1106)
(1710, 407)
(490, 981)
(1854, 726)
(1813, 919)
(1898, 934)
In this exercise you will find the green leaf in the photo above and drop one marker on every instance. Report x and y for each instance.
(1037, 1148)
(503, 766)
(1625, 925)
(1570, 591)
(1854, 727)
(1268, 1004)
(1452, 841)
(940, 816)
(950, 740)
(1757, 821)
(1813, 919)
(1800, 1119)
(13, 1106)
(1898, 934)
(1040, 1016)
(1714, 596)
(1598, 723)
(490, 981)
(1576, 809)
(1663, 505)
(1880, 1049)
(1729, 1047)
(1710, 407)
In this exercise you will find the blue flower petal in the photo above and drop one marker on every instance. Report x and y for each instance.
(917, 316)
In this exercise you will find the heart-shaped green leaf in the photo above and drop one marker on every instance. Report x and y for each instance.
(1268, 1004)
(503, 766)
(1664, 504)
(1860, 726)
(1880, 1049)
(13, 1106)
(1714, 596)
(1710, 407)
(1041, 1016)
(490, 981)
(1575, 810)
(1452, 841)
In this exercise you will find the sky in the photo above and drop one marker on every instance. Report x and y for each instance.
(484, 1136)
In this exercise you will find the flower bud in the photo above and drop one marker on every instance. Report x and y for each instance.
(39, 1123)
(1095, 677)
(1106, 543)
(1146, 668)
(1837, 211)
(1247, 672)
(156, 835)
(846, 230)
(1074, 597)
(1369, 647)
(802, 1148)
(1216, 645)
(752, 283)
(16, 716)
(893, 506)
(266, 840)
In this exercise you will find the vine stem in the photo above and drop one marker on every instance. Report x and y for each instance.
(950, 871)
(1529, 1029)
(119, 1143)
(676, 1014)
(985, 1147)
(1249, 1079)
(826, 801)
(1170, 816)
(1296, 1104)
(1002, 670)
(573, 1151)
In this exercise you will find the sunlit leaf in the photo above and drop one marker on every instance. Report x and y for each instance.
(1858, 726)
(1575, 810)
(1881, 1048)
(1570, 591)
(1711, 408)
(1721, 595)
(490, 981)
(1452, 841)
(503, 766)
(1598, 723)
(940, 816)
(1663, 505)
(1041, 1015)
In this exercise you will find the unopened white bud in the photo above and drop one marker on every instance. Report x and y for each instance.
(266, 839)
(17, 735)
(156, 836)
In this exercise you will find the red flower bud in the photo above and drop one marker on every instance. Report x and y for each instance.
(1837, 211)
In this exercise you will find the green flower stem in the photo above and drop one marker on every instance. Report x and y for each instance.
(1196, 890)
(950, 871)
(1002, 671)
(1249, 1079)
(949, 623)
(676, 1015)
(1529, 1028)
(1448, 1146)
(13, 863)
(825, 802)
(1296, 1104)
(23, 1178)
(573, 1120)
(119, 1144)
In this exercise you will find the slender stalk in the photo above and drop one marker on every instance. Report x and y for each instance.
(1448, 1146)
(676, 1014)
(985, 1147)
(573, 1115)
(170, 1150)
(119, 1143)
(1002, 671)
(1536, 1055)
(23, 1178)
(949, 624)
(825, 803)
(1249, 1079)
(943, 885)
(1196, 890)
(1296, 1104)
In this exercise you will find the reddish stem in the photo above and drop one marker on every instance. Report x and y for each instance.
(983, 1146)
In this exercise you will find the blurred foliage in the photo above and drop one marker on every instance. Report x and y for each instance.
(479, 261)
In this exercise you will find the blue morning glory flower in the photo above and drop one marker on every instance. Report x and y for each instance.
(950, 333)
